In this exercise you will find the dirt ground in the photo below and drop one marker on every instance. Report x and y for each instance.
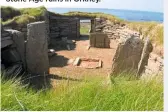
(61, 63)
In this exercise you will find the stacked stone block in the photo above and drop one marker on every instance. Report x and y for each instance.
(12, 52)
(99, 40)
(114, 31)
(62, 26)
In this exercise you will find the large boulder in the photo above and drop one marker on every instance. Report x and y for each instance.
(128, 55)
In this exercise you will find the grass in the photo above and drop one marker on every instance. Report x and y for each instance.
(153, 30)
(84, 28)
(25, 16)
(35, 12)
(20, 20)
(9, 12)
(122, 94)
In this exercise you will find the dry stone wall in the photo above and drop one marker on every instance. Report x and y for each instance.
(114, 31)
(99, 40)
(155, 65)
(18, 39)
(62, 26)
(29, 54)
(12, 48)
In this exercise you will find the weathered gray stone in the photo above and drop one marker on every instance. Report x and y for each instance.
(127, 56)
(19, 42)
(147, 49)
(5, 34)
(37, 49)
(6, 43)
(99, 40)
(6, 38)
(46, 18)
(24, 29)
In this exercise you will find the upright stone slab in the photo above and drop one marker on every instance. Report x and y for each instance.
(37, 48)
(127, 56)
(145, 56)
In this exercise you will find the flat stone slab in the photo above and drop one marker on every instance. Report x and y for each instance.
(76, 62)
(89, 63)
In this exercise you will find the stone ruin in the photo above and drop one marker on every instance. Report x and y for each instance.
(26, 49)
(133, 53)
(30, 55)
(63, 26)
(131, 56)
(12, 52)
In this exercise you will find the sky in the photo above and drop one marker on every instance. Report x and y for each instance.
(143, 5)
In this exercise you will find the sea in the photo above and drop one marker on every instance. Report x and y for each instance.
(129, 15)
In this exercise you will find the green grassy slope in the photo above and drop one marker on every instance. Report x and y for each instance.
(122, 94)
(25, 16)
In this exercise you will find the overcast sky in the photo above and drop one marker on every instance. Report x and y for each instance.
(144, 5)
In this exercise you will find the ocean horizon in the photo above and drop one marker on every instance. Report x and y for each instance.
(129, 15)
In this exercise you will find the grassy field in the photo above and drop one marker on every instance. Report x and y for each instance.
(121, 93)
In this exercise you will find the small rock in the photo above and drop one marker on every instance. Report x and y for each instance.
(76, 62)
